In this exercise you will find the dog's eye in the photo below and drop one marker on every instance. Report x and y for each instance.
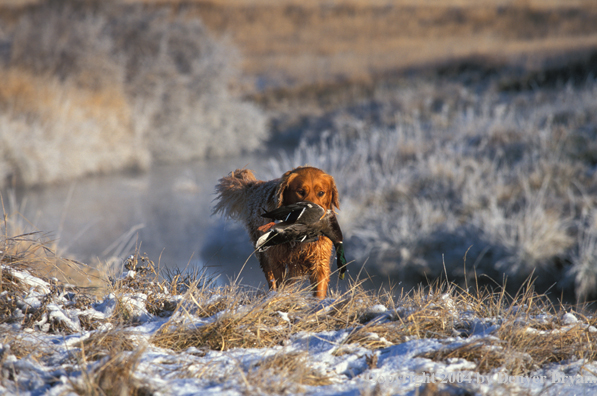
(321, 193)
(301, 193)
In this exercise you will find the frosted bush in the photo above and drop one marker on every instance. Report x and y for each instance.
(119, 86)
(584, 258)
(502, 177)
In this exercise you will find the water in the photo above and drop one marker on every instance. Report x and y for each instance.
(166, 212)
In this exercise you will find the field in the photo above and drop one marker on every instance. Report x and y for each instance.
(462, 137)
(137, 333)
(290, 44)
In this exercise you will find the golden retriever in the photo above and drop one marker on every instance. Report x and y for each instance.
(240, 196)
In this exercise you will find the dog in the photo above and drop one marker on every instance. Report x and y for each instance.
(241, 197)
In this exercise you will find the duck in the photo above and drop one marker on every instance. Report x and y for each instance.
(303, 221)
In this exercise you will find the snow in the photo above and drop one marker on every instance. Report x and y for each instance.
(569, 318)
(28, 279)
(399, 369)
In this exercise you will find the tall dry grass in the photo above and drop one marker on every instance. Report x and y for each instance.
(24, 246)
(54, 131)
(93, 87)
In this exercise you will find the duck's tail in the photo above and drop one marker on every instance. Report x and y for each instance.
(265, 241)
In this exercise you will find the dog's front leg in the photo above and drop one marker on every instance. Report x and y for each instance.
(320, 278)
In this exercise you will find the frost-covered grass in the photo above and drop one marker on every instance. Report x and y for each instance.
(433, 171)
(95, 87)
(181, 334)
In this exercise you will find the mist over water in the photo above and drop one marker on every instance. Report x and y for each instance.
(166, 212)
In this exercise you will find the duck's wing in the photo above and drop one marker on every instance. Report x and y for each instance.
(307, 212)
(285, 233)
(284, 212)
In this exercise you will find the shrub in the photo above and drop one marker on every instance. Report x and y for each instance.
(500, 176)
(94, 87)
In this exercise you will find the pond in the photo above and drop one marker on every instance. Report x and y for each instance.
(165, 213)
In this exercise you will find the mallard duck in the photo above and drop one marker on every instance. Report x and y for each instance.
(302, 222)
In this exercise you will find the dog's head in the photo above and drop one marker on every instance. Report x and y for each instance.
(308, 184)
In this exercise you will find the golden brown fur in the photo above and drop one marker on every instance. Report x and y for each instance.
(244, 198)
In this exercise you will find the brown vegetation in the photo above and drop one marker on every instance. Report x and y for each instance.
(98, 87)
(496, 332)
(100, 105)
(293, 43)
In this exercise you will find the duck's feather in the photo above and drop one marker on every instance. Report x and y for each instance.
(292, 233)
(304, 212)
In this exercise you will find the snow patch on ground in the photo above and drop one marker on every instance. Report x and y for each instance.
(52, 367)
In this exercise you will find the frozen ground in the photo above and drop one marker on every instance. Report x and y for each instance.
(146, 337)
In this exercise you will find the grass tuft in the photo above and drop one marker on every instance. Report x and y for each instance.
(284, 373)
(114, 375)
(257, 320)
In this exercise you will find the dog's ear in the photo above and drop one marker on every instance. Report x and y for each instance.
(334, 191)
(284, 182)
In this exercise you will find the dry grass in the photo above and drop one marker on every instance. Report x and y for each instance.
(424, 313)
(528, 332)
(21, 248)
(34, 251)
(80, 96)
(284, 373)
(106, 343)
(52, 131)
(19, 345)
(257, 320)
(281, 373)
(498, 332)
(111, 352)
(521, 349)
(113, 376)
(292, 43)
